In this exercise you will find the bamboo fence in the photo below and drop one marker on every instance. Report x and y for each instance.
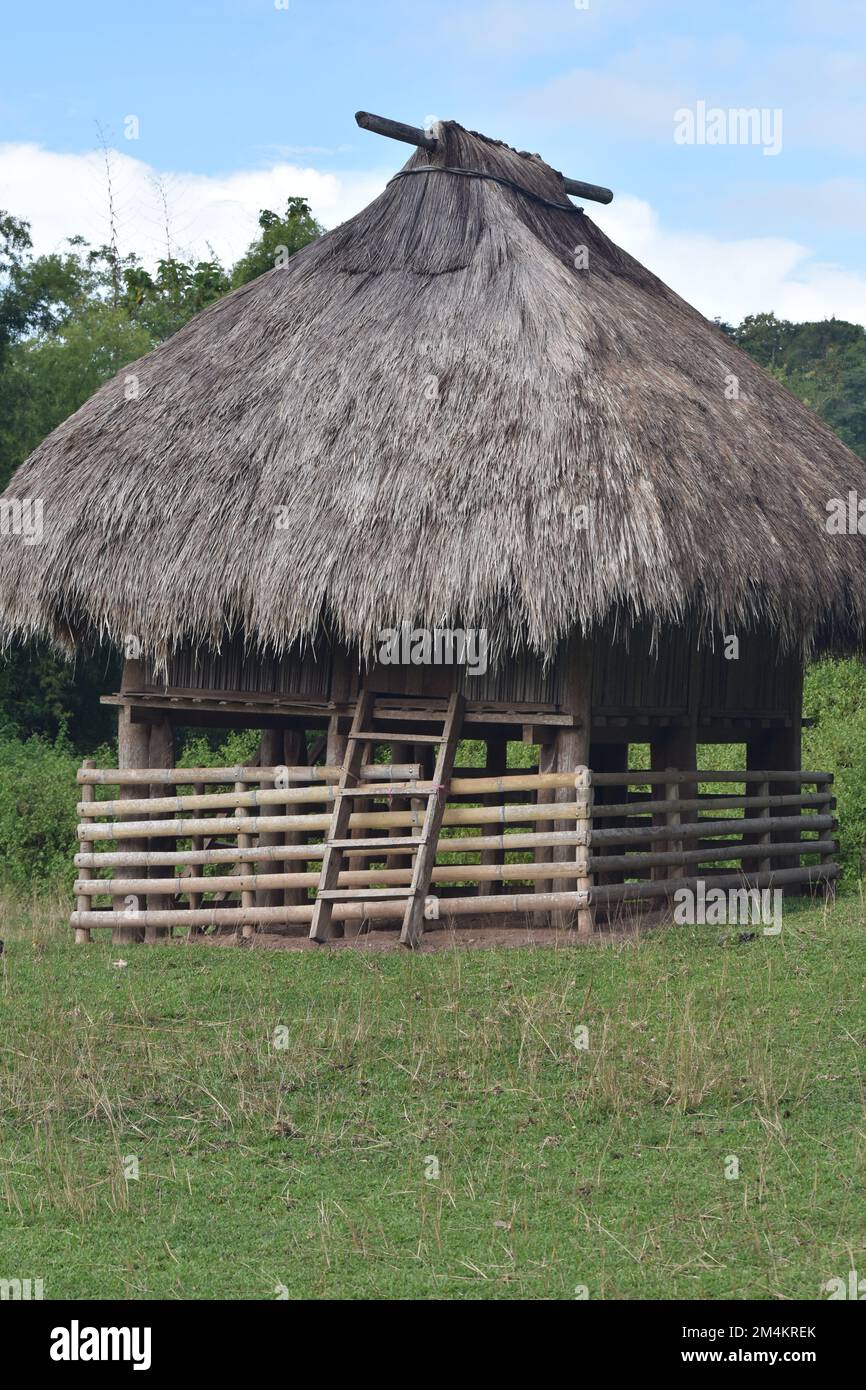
(248, 843)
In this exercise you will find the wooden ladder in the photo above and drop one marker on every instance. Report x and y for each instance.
(339, 845)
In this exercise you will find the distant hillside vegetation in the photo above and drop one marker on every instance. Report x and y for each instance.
(822, 363)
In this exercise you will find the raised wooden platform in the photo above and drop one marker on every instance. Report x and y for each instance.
(254, 710)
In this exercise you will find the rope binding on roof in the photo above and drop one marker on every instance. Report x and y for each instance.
(495, 178)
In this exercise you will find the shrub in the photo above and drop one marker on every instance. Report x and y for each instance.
(835, 697)
(38, 794)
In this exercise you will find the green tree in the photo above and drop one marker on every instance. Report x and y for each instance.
(43, 693)
(281, 237)
(49, 376)
(164, 302)
(68, 323)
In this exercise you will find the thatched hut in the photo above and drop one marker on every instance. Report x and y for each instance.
(465, 409)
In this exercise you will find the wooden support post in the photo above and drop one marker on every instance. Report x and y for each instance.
(353, 861)
(547, 762)
(133, 750)
(583, 797)
(609, 757)
(342, 685)
(675, 749)
(779, 749)
(400, 753)
(271, 755)
(495, 764)
(82, 902)
(197, 845)
(248, 899)
(424, 755)
(763, 866)
(282, 749)
(669, 817)
(672, 819)
(294, 754)
(572, 743)
(160, 754)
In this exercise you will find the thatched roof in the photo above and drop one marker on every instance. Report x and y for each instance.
(434, 394)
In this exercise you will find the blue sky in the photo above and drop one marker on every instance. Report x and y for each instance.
(241, 102)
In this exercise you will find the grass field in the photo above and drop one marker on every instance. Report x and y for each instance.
(288, 1114)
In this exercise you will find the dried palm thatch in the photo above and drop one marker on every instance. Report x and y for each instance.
(414, 420)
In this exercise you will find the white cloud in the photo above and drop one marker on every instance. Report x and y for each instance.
(736, 277)
(62, 195)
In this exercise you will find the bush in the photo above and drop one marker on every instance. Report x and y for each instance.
(835, 697)
(37, 813)
(39, 793)
(237, 748)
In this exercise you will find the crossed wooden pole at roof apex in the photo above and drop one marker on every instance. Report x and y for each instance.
(414, 135)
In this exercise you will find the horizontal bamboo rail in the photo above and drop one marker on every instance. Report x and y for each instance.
(158, 776)
(358, 911)
(225, 801)
(180, 776)
(694, 830)
(628, 863)
(362, 910)
(476, 844)
(453, 844)
(710, 803)
(233, 800)
(773, 878)
(671, 777)
(349, 878)
(360, 820)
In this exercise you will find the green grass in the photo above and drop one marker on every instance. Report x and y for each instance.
(558, 1167)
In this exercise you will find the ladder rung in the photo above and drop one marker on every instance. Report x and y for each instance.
(398, 842)
(336, 894)
(395, 735)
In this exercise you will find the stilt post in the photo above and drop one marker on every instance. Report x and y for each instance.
(133, 750)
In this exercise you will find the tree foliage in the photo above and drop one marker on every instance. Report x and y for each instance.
(69, 321)
(280, 238)
(823, 363)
